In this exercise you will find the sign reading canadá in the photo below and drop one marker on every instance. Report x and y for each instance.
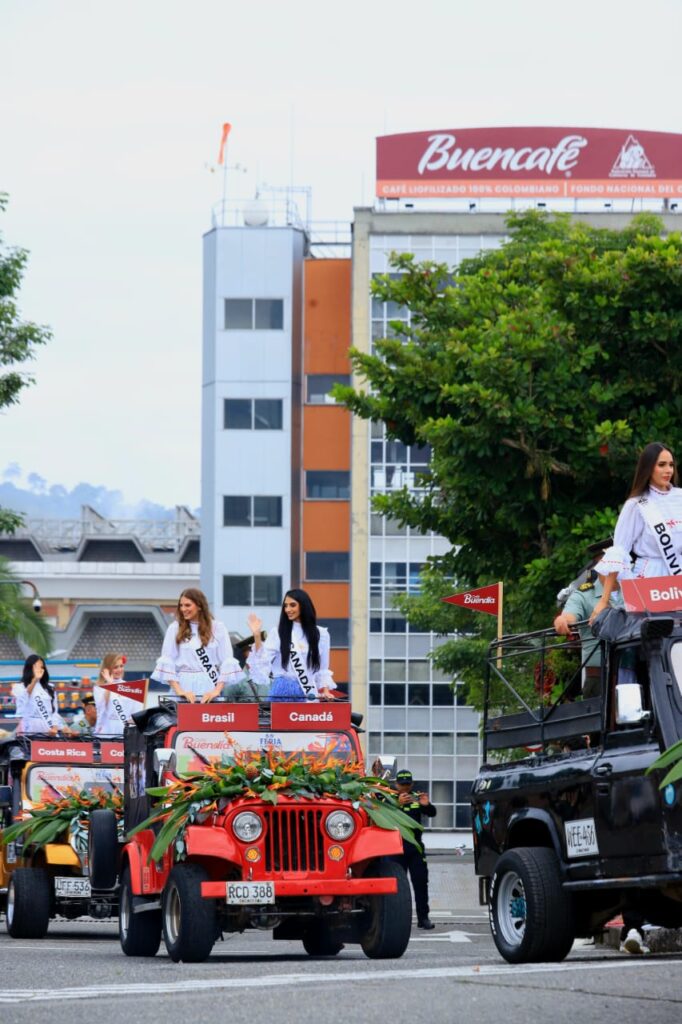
(573, 163)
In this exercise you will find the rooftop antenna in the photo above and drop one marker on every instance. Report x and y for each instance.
(222, 159)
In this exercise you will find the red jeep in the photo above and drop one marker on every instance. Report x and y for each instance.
(310, 868)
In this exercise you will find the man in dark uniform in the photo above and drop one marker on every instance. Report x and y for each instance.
(413, 858)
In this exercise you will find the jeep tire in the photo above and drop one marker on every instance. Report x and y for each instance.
(140, 934)
(385, 927)
(532, 919)
(190, 922)
(103, 850)
(29, 898)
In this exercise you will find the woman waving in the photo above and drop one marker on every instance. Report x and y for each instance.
(296, 653)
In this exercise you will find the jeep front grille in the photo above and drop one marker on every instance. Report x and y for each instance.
(294, 840)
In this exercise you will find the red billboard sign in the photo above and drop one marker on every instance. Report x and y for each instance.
(58, 751)
(217, 716)
(311, 716)
(111, 753)
(655, 594)
(573, 163)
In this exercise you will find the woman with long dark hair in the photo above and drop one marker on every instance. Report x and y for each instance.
(648, 535)
(36, 700)
(296, 653)
(196, 658)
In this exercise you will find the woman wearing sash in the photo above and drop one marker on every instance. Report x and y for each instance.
(196, 658)
(649, 527)
(36, 701)
(113, 710)
(296, 653)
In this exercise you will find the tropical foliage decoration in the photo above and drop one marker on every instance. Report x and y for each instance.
(49, 820)
(672, 759)
(267, 775)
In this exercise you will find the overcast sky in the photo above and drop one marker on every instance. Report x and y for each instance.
(110, 118)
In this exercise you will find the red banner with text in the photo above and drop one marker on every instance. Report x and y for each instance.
(483, 599)
(311, 716)
(566, 163)
(655, 594)
(218, 716)
(61, 750)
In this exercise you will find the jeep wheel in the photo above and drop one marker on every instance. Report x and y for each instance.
(190, 922)
(319, 940)
(385, 930)
(140, 934)
(103, 850)
(29, 895)
(531, 917)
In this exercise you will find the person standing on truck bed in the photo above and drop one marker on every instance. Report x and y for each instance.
(196, 658)
(413, 858)
(579, 606)
(296, 652)
(649, 526)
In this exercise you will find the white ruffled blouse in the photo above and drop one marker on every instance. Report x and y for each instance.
(633, 534)
(36, 710)
(268, 659)
(180, 662)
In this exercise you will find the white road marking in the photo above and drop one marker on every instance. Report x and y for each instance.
(453, 936)
(208, 986)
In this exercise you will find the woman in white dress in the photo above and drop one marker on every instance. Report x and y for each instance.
(196, 658)
(36, 700)
(649, 527)
(296, 654)
(113, 710)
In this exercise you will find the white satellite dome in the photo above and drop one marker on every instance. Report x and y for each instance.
(255, 213)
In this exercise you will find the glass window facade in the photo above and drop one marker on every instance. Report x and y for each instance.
(252, 413)
(327, 565)
(327, 484)
(254, 314)
(319, 385)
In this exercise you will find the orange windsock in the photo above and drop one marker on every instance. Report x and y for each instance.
(221, 152)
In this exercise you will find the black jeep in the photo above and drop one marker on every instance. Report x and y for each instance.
(569, 829)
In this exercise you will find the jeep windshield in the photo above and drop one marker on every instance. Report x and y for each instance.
(50, 782)
(195, 749)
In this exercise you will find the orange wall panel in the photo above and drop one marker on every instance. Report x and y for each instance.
(327, 316)
(326, 526)
(331, 600)
(338, 662)
(326, 437)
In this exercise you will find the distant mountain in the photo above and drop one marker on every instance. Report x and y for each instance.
(33, 497)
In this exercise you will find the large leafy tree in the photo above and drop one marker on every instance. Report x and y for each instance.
(18, 342)
(535, 373)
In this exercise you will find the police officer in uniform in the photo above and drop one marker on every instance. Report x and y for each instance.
(413, 858)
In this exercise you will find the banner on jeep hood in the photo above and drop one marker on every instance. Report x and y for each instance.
(483, 599)
(217, 716)
(561, 163)
(311, 716)
(134, 689)
(111, 753)
(655, 594)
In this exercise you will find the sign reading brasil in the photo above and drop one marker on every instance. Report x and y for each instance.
(559, 163)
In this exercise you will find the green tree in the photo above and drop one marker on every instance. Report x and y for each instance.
(535, 373)
(18, 342)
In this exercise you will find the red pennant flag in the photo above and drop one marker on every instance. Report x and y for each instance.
(135, 689)
(483, 599)
(227, 128)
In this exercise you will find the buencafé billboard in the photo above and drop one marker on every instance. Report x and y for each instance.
(560, 163)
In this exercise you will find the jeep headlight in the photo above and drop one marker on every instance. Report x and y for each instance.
(247, 826)
(340, 825)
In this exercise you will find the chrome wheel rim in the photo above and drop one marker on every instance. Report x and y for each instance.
(172, 914)
(10, 903)
(124, 912)
(511, 908)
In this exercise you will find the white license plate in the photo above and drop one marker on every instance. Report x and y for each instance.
(249, 892)
(65, 886)
(581, 838)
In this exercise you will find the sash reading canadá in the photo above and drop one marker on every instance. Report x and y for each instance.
(307, 687)
(659, 528)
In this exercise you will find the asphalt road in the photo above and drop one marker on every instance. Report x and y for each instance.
(78, 974)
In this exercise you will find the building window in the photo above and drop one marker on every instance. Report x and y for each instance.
(327, 484)
(327, 565)
(267, 413)
(252, 590)
(254, 314)
(252, 414)
(245, 510)
(269, 314)
(319, 386)
(339, 633)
